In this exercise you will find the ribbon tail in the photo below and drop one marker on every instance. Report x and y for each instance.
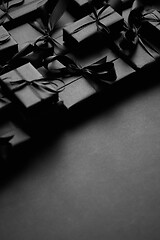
(57, 12)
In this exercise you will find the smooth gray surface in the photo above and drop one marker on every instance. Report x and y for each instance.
(98, 179)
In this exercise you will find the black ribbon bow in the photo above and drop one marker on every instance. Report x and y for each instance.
(5, 7)
(101, 71)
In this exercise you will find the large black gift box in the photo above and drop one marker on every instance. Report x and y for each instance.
(27, 88)
(8, 45)
(85, 32)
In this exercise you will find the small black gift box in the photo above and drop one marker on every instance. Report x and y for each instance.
(86, 32)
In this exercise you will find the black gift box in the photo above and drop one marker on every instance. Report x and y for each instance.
(145, 53)
(85, 33)
(26, 87)
(8, 46)
(20, 14)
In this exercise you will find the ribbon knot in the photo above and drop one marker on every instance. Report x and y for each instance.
(36, 86)
(100, 71)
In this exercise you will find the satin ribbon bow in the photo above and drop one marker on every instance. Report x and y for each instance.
(49, 13)
(36, 85)
(131, 35)
(5, 7)
(102, 70)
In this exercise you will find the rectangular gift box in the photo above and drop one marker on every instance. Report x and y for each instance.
(26, 87)
(20, 14)
(8, 46)
(84, 33)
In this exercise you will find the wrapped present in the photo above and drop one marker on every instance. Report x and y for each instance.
(28, 89)
(8, 45)
(88, 31)
(16, 12)
(5, 102)
(12, 138)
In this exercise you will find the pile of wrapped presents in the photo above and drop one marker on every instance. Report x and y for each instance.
(54, 55)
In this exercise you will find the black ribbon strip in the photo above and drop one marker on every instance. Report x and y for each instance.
(101, 71)
(5, 7)
(5, 146)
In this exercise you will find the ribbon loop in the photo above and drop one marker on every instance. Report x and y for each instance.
(100, 71)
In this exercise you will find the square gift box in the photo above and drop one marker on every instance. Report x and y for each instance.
(8, 45)
(27, 88)
(84, 33)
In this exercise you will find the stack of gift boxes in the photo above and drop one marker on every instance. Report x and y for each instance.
(80, 58)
